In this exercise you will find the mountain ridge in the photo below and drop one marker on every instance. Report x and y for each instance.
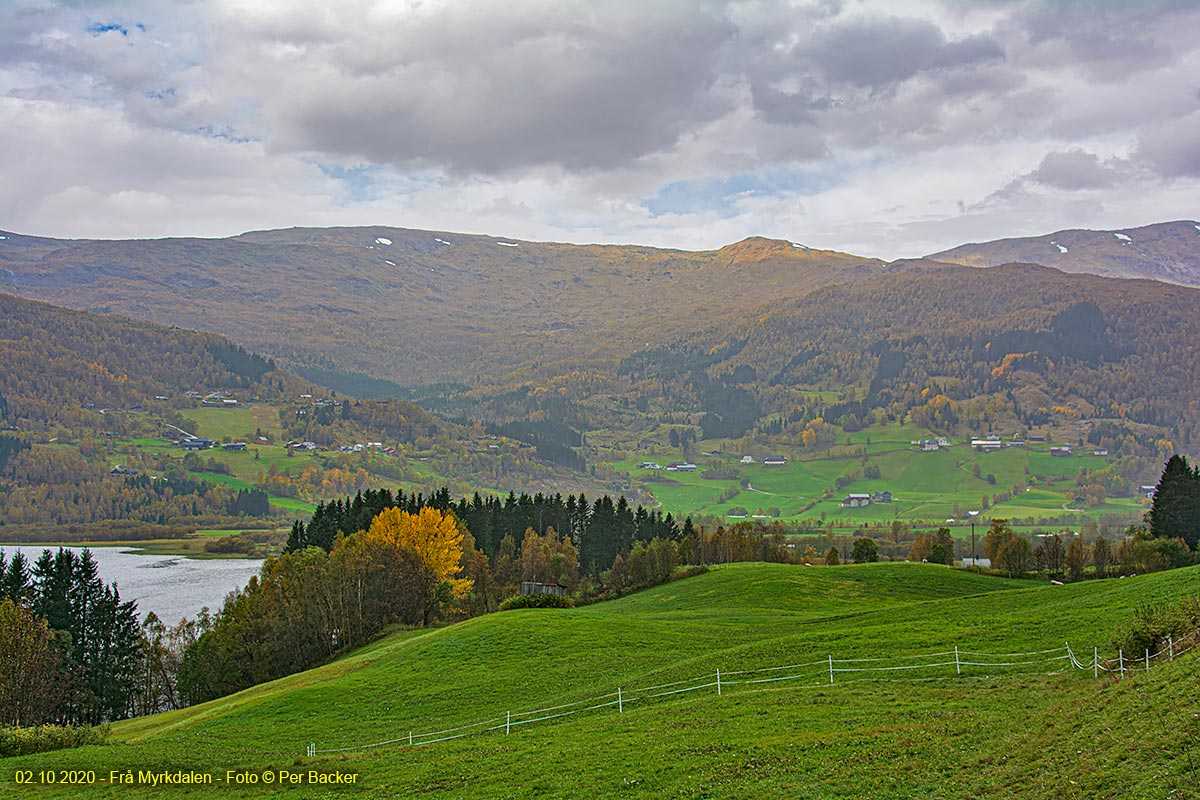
(442, 305)
(1164, 251)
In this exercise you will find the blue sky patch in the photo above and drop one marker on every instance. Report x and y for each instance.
(721, 194)
(225, 132)
(359, 180)
(101, 28)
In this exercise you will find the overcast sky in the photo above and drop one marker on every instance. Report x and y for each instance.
(887, 129)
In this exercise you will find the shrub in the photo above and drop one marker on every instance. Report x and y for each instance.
(43, 738)
(1153, 623)
(537, 601)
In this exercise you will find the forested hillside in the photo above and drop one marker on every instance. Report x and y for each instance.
(958, 350)
(95, 407)
(64, 367)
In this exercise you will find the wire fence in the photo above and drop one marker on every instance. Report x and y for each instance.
(818, 672)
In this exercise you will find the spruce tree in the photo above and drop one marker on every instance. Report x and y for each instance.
(1175, 512)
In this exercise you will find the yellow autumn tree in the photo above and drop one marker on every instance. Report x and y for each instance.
(433, 535)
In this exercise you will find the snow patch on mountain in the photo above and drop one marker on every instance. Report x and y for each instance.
(508, 244)
(1124, 239)
(382, 240)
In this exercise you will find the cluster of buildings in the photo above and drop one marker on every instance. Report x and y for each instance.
(200, 443)
(859, 500)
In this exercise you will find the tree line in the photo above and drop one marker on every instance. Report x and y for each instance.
(70, 648)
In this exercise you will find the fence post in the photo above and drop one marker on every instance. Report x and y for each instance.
(1096, 663)
(620, 702)
(312, 749)
(957, 663)
(1121, 659)
(507, 722)
(410, 738)
(1171, 646)
(831, 668)
(1147, 659)
(718, 683)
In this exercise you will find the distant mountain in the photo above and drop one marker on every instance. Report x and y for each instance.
(419, 307)
(1167, 251)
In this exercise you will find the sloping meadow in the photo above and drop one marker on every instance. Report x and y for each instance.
(835, 682)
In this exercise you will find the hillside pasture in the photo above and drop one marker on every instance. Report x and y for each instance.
(930, 732)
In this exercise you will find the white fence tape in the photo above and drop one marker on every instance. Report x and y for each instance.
(829, 666)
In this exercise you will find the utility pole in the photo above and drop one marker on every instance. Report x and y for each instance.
(974, 563)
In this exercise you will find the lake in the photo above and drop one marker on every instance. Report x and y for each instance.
(172, 587)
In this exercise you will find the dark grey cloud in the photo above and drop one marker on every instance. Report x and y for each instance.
(580, 91)
(878, 53)
(859, 64)
(1074, 169)
(1106, 40)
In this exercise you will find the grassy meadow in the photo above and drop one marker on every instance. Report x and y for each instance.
(1042, 730)
(927, 486)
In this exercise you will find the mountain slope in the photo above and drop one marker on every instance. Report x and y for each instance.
(420, 306)
(928, 732)
(1167, 251)
(1037, 337)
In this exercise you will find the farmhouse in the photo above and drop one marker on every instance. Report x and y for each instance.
(234, 446)
(881, 497)
(1100, 451)
(986, 445)
(856, 500)
(1036, 437)
(1061, 452)
(774, 461)
(928, 445)
(1015, 443)
(649, 465)
(681, 466)
(196, 444)
(747, 459)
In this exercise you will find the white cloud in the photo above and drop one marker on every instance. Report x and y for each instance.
(886, 129)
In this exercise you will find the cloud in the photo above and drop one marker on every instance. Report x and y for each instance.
(1074, 169)
(485, 88)
(1173, 150)
(890, 128)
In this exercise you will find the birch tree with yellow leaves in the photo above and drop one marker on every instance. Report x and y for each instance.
(434, 536)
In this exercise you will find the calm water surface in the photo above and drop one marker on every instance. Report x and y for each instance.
(172, 587)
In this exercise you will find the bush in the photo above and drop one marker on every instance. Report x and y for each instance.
(43, 738)
(687, 572)
(1152, 624)
(537, 601)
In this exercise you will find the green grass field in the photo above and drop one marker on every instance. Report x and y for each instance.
(235, 423)
(1038, 731)
(932, 486)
